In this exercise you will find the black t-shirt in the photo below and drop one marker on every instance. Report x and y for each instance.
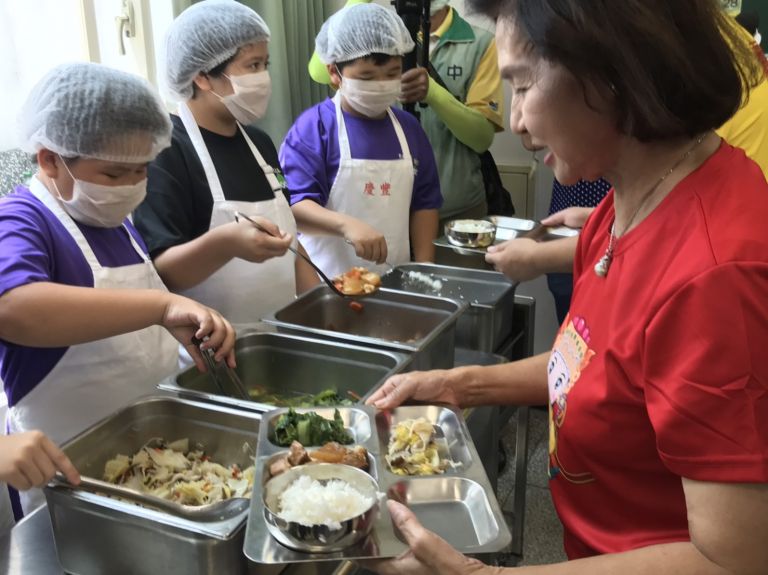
(178, 205)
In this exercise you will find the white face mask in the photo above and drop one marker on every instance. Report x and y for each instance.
(370, 97)
(99, 205)
(251, 98)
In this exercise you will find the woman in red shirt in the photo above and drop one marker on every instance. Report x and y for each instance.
(656, 382)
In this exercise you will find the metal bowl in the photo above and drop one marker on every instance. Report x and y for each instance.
(470, 233)
(320, 538)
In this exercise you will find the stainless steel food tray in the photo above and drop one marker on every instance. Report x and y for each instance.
(294, 364)
(97, 534)
(421, 325)
(490, 295)
(510, 228)
(507, 229)
(458, 505)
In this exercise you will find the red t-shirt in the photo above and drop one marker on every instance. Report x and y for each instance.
(659, 371)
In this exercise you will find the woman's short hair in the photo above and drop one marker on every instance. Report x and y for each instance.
(676, 67)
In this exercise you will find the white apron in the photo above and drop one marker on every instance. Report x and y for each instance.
(7, 521)
(92, 380)
(378, 192)
(243, 291)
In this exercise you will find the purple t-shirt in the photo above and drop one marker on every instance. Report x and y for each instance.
(310, 154)
(37, 248)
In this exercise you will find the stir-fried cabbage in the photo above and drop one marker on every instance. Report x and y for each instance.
(176, 472)
(413, 451)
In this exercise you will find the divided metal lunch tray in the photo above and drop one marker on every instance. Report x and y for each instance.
(459, 505)
(539, 233)
(506, 229)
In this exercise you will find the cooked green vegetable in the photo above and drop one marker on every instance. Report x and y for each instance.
(326, 398)
(329, 398)
(310, 429)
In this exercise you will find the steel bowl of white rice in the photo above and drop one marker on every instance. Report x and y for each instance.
(470, 233)
(321, 507)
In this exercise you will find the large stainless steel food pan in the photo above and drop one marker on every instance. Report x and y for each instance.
(96, 534)
(491, 296)
(294, 365)
(422, 325)
(459, 504)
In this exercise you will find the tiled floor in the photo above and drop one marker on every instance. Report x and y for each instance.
(543, 534)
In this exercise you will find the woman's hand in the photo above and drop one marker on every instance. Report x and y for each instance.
(428, 553)
(369, 243)
(516, 259)
(30, 459)
(573, 217)
(435, 386)
(253, 245)
(186, 318)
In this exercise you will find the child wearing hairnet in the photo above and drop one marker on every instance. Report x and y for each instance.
(217, 165)
(82, 309)
(363, 180)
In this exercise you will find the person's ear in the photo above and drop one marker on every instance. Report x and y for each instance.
(333, 72)
(203, 82)
(46, 159)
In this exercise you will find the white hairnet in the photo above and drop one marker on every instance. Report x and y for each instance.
(205, 35)
(437, 5)
(360, 30)
(93, 111)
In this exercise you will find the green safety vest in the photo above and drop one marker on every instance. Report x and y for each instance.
(456, 58)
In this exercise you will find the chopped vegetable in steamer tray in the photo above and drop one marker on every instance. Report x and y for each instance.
(175, 472)
(326, 398)
(310, 429)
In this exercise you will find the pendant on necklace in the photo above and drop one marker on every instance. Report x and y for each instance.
(601, 267)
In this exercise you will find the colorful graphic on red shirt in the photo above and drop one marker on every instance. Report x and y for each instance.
(570, 356)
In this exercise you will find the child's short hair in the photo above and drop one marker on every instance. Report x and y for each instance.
(377, 58)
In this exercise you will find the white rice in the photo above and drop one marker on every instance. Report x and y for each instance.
(426, 279)
(310, 502)
(472, 226)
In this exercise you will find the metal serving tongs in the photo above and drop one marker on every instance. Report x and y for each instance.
(212, 511)
(234, 379)
(320, 272)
